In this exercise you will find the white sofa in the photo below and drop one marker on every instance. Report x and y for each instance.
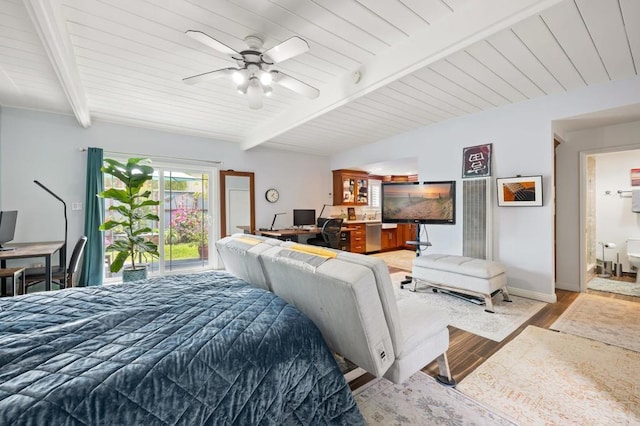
(240, 255)
(350, 299)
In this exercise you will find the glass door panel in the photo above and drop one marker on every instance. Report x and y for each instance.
(183, 232)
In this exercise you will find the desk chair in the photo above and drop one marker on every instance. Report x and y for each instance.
(330, 234)
(36, 275)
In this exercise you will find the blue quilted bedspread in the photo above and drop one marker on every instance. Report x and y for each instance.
(189, 349)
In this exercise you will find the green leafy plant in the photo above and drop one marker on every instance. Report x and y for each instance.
(133, 208)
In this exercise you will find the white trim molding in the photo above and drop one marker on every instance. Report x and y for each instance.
(56, 43)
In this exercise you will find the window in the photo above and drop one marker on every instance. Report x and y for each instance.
(184, 232)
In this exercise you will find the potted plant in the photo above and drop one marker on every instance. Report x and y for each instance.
(133, 211)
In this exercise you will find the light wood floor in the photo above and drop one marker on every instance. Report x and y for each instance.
(467, 351)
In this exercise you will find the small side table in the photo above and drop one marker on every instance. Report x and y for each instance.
(15, 274)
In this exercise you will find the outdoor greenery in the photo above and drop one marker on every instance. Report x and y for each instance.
(189, 225)
(133, 211)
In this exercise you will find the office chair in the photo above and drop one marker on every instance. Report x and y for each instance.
(36, 275)
(330, 234)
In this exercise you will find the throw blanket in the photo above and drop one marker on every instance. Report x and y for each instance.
(190, 349)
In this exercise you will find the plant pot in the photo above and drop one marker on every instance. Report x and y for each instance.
(203, 251)
(140, 273)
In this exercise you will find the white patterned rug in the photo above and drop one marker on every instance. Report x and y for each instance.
(470, 317)
(543, 377)
(402, 259)
(614, 286)
(612, 321)
(420, 401)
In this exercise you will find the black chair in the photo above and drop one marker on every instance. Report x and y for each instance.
(36, 275)
(330, 234)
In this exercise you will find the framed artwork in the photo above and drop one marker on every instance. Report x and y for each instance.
(351, 213)
(635, 177)
(476, 161)
(520, 191)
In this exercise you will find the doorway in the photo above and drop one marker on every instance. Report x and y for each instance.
(611, 219)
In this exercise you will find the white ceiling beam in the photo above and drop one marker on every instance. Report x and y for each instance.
(56, 43)
(475, 22)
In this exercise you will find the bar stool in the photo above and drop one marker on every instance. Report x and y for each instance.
(13, 273)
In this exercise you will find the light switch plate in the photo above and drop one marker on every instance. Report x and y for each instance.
(76, 206)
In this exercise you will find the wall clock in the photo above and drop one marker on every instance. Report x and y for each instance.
(272, 195)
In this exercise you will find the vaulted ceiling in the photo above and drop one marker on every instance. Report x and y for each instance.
(382, 67)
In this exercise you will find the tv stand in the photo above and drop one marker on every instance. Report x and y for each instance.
(419, 244)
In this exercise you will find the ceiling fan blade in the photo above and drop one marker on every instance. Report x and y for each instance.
(287, 49)
(211, 42)
(211, 75)
(294, 84)
(254, 93)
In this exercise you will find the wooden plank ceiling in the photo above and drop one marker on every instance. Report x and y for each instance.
(419, 62)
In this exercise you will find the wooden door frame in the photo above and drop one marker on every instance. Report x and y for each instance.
(223, 199)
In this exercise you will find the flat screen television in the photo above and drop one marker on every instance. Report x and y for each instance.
(303, 217)
(419, 202)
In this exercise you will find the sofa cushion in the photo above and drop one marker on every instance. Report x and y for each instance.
(460, 264)
(240, 255)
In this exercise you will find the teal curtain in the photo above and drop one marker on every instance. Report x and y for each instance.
(93, 265)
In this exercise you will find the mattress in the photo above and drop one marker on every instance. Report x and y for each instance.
(189, 349)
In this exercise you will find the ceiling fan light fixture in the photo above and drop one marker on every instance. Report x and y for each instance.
(268, 90)
(266, 78)
(238, 77)
(242, 87)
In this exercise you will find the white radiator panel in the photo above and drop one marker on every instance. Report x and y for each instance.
(476, 218)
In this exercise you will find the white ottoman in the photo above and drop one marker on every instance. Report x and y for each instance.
(476, 277)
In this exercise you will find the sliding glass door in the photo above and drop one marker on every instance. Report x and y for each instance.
(184, 232)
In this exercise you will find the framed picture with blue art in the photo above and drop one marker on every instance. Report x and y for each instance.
(476, 161)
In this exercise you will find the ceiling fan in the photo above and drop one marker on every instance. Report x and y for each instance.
(253, 75)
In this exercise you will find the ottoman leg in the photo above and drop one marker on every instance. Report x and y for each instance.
(488, 303)
(505, 294)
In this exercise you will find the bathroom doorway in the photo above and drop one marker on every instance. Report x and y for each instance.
(612, 218)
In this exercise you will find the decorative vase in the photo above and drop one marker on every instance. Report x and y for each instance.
(128, 275)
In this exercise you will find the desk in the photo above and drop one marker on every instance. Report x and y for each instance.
(293, 234)
(30, 250)
(288, 233)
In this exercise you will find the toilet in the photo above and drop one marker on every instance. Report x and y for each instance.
(633, 254)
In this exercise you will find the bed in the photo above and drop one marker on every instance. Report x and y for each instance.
(190, 349)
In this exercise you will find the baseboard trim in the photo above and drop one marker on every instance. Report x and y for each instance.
(543, 297)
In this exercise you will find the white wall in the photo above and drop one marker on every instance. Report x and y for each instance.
(522, 140)
(45, 147)
(615, 222)
(569, 155)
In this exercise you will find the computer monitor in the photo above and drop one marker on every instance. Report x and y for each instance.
(7, 227)
(304, 217)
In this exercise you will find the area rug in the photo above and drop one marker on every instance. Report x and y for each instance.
(470, 317)
(614, 286)
(402, 259)
(612, 321)
(543, 377)
(420, 401)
